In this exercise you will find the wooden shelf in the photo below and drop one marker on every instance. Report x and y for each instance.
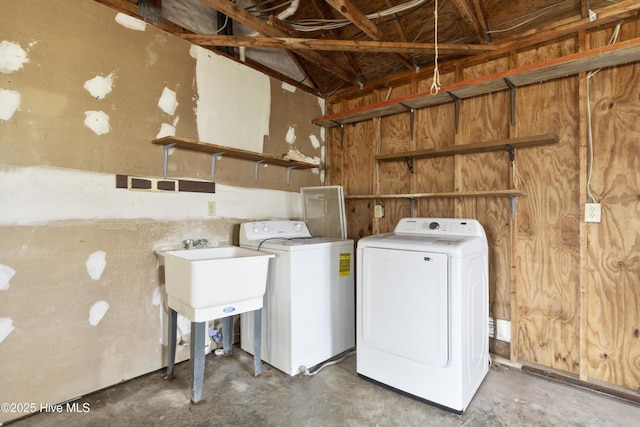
(447, 195)
(480, 147)
(217, 151)
(617, 54)
(205, 147)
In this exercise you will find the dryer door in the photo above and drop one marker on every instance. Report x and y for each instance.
(405, 304)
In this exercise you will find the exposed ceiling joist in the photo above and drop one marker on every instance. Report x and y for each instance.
(475, 20)
(353, 14)
(334, 45)
(240, 15)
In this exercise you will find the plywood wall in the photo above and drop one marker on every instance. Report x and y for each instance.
(568, 288)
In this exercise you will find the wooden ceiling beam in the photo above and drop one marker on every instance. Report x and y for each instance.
(360, 20)
(353, 14)
(240, 15)
(368, 46)
(477, 23)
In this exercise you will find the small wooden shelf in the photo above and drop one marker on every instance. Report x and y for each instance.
(217, 151)
(480, 147)
(443, 195)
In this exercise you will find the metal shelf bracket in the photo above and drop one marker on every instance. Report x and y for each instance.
(512, 100)
(214, 157)
(289, 173)
(409, 162)
(165, 158)
(456, 106)
(255, 169)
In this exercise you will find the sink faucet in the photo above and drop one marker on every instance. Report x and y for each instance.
(192, 244)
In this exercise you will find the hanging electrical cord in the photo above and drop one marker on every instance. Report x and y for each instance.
(590, 74)
(435, 84)
(379, 144)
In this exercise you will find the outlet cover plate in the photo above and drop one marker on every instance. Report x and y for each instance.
(592, 212)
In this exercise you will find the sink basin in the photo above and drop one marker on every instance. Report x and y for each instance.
(211, 283)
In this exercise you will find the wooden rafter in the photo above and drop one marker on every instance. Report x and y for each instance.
(359, 19)
(335, 45)
(476, 22)
(245, 18)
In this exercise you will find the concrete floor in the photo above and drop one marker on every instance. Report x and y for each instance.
(336, 396)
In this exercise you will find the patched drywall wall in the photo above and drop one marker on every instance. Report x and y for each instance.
(83, 91)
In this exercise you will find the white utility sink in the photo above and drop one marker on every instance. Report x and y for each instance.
(212, 283)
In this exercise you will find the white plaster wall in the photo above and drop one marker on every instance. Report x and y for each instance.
(233, 104)
(78, 195)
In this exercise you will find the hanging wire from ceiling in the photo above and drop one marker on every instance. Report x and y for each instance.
(308, 25)
(590, 74)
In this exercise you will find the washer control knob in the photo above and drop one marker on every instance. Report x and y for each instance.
(297, 226)
(434, 226)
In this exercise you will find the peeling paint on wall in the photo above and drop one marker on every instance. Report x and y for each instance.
(12, 57)
(97, 312)
(315, 142)
(233, 109)
(99, 86)
(6, 273)
(166, 130)
(288, 87)
(6, 327)
(9, 103)
(291, 135)
(96, 263)
(97, 121)
(168, 101)
(130, 22)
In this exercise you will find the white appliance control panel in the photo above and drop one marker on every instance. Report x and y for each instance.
(261, 230)
(439, 227)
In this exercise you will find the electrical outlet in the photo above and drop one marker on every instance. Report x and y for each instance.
(211, 208)
(592, 212)
(503, 330)
(378, 211)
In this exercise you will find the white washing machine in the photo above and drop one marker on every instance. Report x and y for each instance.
(308, 314)
(422, 309)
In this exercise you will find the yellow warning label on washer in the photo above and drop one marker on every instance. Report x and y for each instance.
(345, 263)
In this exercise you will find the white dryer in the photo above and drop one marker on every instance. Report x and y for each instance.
(308, 314)
(422, 309)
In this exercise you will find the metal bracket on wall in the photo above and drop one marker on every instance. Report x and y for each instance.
(255, 168)
(409, 162)
(341, 136)
(289, 173)
(165, 158)
(214, 157)
(512, 205)
(512, 100)
(456, 106)
(412, 117)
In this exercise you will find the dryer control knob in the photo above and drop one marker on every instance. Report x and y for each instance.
(297, 226)
(434, 226)
(256, 229)
(266, 228)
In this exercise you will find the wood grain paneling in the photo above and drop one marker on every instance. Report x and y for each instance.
(544, 263)
(614, 244)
